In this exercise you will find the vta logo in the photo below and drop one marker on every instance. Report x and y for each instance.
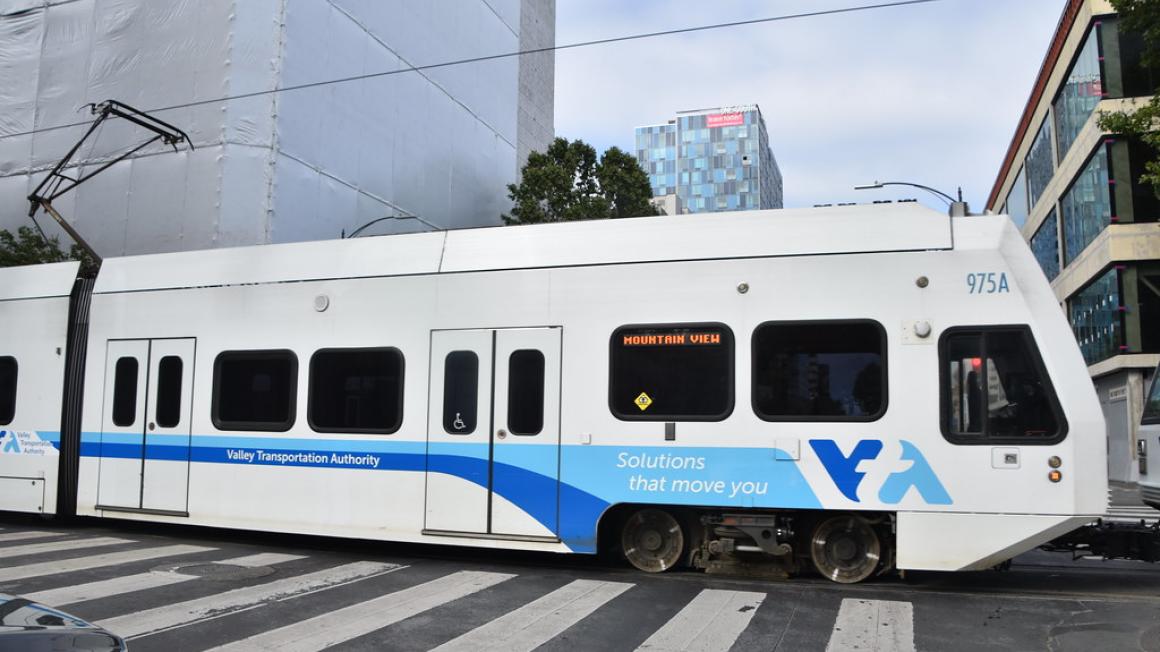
(12, 445)
(843, 469)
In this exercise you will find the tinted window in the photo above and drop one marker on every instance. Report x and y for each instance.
(526, 392)
(1152, 405)
(660, 373)
(125, 392)
(833, 371)
(7, 390)
(169, 391)
(254, 390)
(356, 390)
(460, 392)
(994, 388)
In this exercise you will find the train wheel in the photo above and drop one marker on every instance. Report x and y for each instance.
(652, 540)
(845, 549)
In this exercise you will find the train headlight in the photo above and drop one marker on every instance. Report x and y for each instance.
(1055, 476)
(1054, 462)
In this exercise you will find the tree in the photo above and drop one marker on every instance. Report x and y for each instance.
(28, 247)
(567, 183)
(1141, 17)
(625, 185)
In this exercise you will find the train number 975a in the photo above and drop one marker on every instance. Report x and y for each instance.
(987, 283)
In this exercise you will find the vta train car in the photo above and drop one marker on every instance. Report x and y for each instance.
(1148, 444)
(855, 388)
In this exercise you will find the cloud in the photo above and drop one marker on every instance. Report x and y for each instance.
(925, 93)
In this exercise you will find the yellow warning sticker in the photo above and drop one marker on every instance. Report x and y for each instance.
(643, 401)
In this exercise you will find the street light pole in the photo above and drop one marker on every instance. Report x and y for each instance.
(955, 207)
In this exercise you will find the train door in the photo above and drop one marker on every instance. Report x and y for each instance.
(146, 425)
(494, 432)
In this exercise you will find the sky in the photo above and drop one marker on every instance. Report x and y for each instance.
(929, 93)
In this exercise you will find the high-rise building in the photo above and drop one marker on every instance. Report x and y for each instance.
(712, 160)
(439, 143)
(1074, 191)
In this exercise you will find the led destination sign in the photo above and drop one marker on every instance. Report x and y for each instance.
(676, 338)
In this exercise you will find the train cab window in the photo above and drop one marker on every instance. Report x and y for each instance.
(671, 372)
(526, 392)
(356, 390)
(8, 370)
(254, 390)
(125, 392)
(460, 392)
(995, 388)
(169, 391)
(819, 371)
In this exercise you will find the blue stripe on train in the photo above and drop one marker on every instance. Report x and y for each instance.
(593, 478)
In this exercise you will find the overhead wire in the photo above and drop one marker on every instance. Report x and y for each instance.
(493, 57)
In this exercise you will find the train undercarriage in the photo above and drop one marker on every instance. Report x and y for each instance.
(844, 547)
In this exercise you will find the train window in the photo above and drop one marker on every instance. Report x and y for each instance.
(671, 372)
(125, 392)
(8, 370)
(169, 391)
(526, 392)
(995, 388)
(460, 392)
(1151, 406)
(819, 371)
(356, 390)
(254, 390)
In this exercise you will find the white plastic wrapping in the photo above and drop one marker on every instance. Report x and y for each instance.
(297, 165)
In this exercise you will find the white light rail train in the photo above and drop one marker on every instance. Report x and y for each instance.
(853, 389)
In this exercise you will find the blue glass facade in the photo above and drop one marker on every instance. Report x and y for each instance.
(1096, 318)
(712, 161)
(1081, 92)
(1045, 245)
(656, 150)
(1040, 166)
(1086, 207)
(1016, 205)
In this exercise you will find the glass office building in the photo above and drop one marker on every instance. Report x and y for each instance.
(712, 160)
(1074, 191)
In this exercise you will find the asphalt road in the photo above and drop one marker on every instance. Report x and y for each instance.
(172, 589)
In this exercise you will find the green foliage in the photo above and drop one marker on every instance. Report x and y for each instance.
(1143, 122)
(567, 183)
(27, 247)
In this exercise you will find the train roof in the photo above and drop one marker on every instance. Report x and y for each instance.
(38, 281)
(743, 234)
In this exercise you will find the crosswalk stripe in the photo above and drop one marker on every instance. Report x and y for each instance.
(537, 622)
(190, 611)
(153, 579)
(105, 588)
(344, 624)
(95, 561)
(24, 536)
(712, 621)
(880, 625)
(58, 546)
(262, 559)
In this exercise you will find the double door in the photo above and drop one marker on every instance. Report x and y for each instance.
(493, 440)
(145, 436)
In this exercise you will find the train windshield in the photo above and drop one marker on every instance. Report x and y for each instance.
(994, 388)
